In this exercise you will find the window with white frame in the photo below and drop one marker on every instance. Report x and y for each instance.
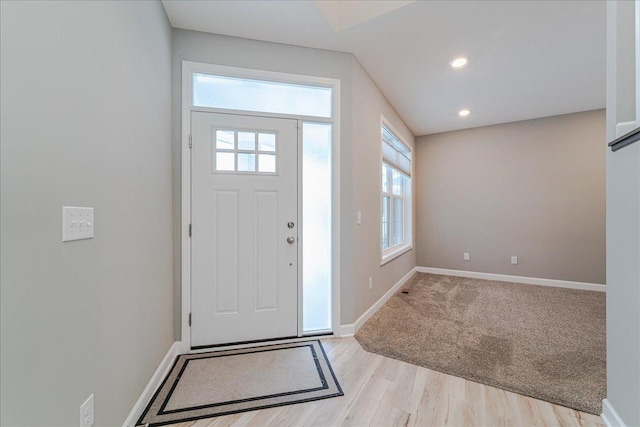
(396, 195)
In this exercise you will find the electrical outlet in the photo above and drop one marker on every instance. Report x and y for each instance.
(370, 283)
(466, 256)
(514, 260)
(86, 413)
(359, 217)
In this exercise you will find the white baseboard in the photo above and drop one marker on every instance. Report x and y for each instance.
(154, 383)
(610, 416)
(351, 328)
(515, 279)
(347, 330)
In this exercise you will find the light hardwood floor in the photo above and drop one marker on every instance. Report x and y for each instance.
(379, 391)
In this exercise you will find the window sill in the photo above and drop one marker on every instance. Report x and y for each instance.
(390, 256)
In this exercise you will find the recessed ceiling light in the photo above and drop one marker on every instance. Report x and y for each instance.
(464, 112)
(459, 62)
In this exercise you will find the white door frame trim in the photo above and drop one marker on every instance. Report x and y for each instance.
(188, 68)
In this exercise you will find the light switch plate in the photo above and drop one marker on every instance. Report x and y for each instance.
(77, 223)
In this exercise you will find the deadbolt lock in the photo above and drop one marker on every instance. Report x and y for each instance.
(290, 224)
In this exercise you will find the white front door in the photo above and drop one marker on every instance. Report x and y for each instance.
(244, 237)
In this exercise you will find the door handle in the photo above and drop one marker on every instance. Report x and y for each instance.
(290, 240)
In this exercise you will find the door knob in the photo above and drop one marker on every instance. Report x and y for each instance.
(290, 240)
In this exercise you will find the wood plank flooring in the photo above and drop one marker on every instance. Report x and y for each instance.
(380, 391)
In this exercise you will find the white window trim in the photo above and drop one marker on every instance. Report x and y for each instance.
(394, 252)
(188, 69)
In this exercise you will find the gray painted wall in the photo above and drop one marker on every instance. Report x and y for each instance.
(86, 121)
(355, 96)
(623, 220)
(368, 104)
(534, 189)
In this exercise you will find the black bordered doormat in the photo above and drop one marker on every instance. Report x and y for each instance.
(218, 383)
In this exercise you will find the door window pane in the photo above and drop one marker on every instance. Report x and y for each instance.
(245, 151)
(225, 139)
(267, 141)
(246, 162)
(225, 162)
(246, 141)
(267, 163)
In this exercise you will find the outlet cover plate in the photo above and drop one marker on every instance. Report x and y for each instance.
(77, 223)
(86, 413)
(514, 260)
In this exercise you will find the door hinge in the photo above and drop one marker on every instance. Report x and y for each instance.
(190, 141)
(189, 230)
(189, 319)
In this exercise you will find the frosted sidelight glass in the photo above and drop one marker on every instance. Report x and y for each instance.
(316, 214)
(259, 95)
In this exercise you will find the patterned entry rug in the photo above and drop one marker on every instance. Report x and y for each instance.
(226, 382)
(544, 342)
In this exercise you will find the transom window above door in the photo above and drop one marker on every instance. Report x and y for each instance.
(237, 93)
(244, 151)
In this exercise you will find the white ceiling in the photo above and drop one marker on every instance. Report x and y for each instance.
(345, 14)
(527, 59)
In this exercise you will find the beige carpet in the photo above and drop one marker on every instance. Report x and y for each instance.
(226, 382)
(544, 342)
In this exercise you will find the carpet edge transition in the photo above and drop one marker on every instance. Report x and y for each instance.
(443, 302)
